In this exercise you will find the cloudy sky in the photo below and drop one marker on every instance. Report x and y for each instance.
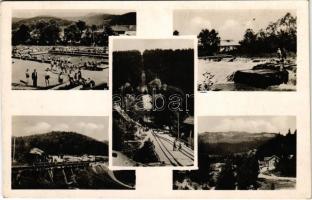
(143, 44)
(247, 124)
(231, 24)
(64, 13)
(94, 127)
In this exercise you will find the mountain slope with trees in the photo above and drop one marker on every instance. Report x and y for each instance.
(124, 19)
(91, 19)
(223, 143)
(32, 22)
(85, 30)
(58, 143)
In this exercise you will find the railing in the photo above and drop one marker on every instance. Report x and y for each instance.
(80, 53)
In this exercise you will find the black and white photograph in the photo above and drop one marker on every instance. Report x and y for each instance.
(65, 49)
(153, 102)
(243, 153)
(63, 152)
(242, 49)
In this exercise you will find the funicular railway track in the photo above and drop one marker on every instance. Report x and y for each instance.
(183, 151)
(163, 145)
(166, 152)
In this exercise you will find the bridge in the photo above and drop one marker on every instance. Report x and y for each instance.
(67, 173)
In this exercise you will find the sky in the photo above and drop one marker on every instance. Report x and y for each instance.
(278, 124)
(143, 44)
(94, 127)
(64, 13)
(230, 24)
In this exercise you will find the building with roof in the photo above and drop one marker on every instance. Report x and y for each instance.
(228, 45)
(269, 163)
(124, 29)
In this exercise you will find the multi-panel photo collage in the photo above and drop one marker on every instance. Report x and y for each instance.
(151, 99)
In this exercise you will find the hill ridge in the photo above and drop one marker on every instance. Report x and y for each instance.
(59, 142)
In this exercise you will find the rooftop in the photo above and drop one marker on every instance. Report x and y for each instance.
(189, 120)
(229, 43)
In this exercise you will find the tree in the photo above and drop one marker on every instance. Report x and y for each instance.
(226, 179)
(81, 26)
(203, 174)
(287, 166)
(176, 32)
(127, 67)
(21, 36)
(71, 34)
(248, 43)
(279, 34)
(208, 42)
(247, 172)
(87, 38)
(93, 28)
(49, 33)
(108, 31)
(146, 154)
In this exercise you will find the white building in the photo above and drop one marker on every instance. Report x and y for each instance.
(228, 45)
(271, 162)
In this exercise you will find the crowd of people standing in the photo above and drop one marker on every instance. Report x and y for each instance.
(65, 71)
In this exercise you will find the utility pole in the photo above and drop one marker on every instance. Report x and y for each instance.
(178, 125)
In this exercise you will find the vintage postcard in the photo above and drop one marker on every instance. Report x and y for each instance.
(143, 118)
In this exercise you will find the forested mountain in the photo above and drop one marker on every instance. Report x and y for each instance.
(30, 22)
(58, 143)
(267, 144)
(92, 29)
(96, 19)
(232, 142)
(107, 19)
(124, 19)
(281, 145)
(91, 19)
